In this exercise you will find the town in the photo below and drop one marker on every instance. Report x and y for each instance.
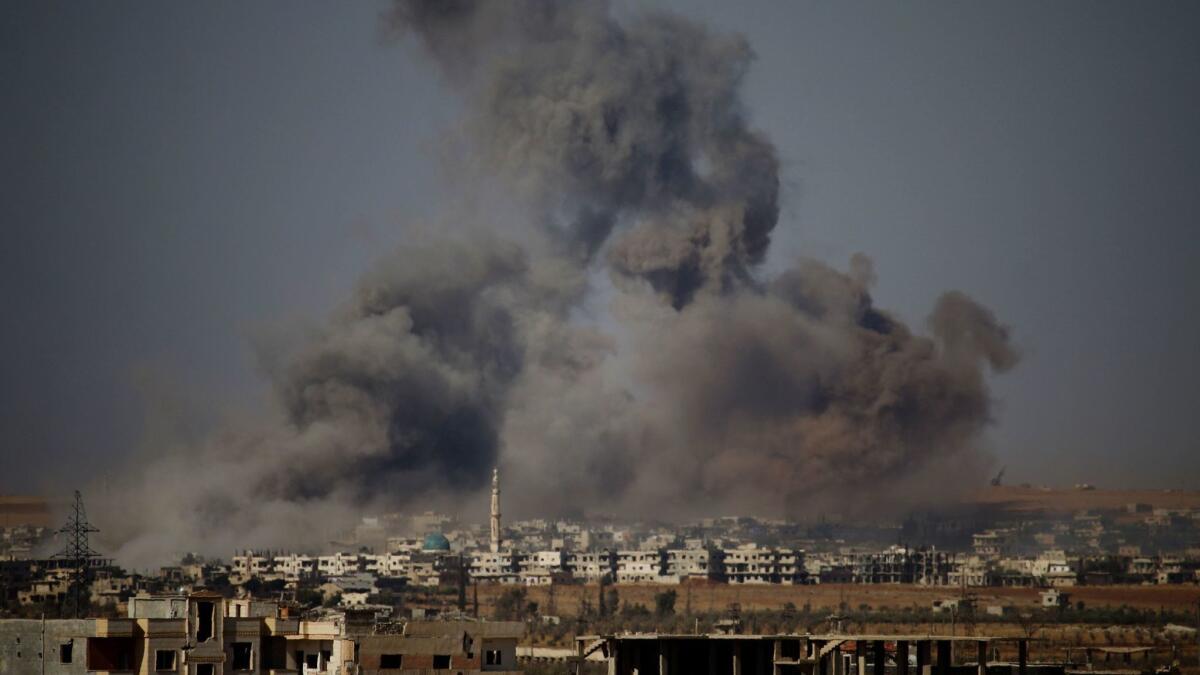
(428, 571)
(1136, 543)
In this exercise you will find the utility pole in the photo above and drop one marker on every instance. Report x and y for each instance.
(77, 552)
(475, 597)
(1198, 632)
(462, 584)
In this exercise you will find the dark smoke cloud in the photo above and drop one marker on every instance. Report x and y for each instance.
(792, 396)
(613, 124)
(707, 387)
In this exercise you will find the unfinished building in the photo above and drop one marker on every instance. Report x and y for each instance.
(720, 654)
(458, 646)
(205, 634)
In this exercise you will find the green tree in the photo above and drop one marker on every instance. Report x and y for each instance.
(664, 603)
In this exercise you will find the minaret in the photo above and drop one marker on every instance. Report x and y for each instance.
(495, 510)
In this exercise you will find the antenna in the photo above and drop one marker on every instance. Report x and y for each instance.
(77, 553)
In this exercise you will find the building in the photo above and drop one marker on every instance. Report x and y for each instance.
(295, 567)
(186, 634)
(634, 567)
(460, 646)
(900, 565)
(752, 565)
(205, 634)
(503, 567)
(694, 564)
(591, 565)
(1054, 598)
(652, 654)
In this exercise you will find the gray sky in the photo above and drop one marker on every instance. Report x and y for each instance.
(182, 177)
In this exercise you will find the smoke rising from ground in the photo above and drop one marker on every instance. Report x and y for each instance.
(709, 387)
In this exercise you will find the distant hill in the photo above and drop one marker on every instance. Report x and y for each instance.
(18, 510)
(1069, 500)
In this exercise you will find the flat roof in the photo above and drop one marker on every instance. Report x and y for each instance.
(879, 637)
(865, 637)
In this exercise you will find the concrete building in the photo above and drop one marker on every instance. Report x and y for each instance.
(901, 565)
(502, 567)
(253, 563)
(340, 564)
(591, 565)
(637, 567)
(295, 567)
(652, 654)
(205, 634)
(749, 564)
(186, 635)
(1054, 598)
(456, 646)
(992, 544)
(695, 564)
(970, 571)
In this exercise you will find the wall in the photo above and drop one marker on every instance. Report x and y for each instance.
(21, 646)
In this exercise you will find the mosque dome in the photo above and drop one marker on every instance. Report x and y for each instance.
(436, 541)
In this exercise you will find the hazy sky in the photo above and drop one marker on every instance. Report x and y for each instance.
(179, 178)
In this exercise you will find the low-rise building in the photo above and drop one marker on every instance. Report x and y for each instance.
(205, 634)
(458, 646)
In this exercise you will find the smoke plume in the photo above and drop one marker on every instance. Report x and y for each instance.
(708, 386)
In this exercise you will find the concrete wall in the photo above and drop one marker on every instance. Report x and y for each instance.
(242, 630)
(212, 650)
(22, 651)
(508, 653)
(157, 608)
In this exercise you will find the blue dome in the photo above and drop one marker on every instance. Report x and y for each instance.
(436, 541)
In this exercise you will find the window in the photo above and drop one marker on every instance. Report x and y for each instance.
(204, 627)
(311, 661)
(164, 659)
(204, 669)
(387, 661)
(491, 657)
(242, 656)
(441, 661)
(65, 651)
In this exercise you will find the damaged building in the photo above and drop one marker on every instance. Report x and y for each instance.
(728, 654)
(203, 633)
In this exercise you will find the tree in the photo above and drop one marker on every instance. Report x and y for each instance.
(308, 597)
(1031, 623)
(511, 605)
(613, 602)
(664, 603)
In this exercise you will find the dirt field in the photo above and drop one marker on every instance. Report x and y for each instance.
(717, 597)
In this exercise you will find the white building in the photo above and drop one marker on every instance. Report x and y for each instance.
(635, 567)
(340, 564)
(294, 566)
(591, 565)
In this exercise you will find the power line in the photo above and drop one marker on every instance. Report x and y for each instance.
(77, 552)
